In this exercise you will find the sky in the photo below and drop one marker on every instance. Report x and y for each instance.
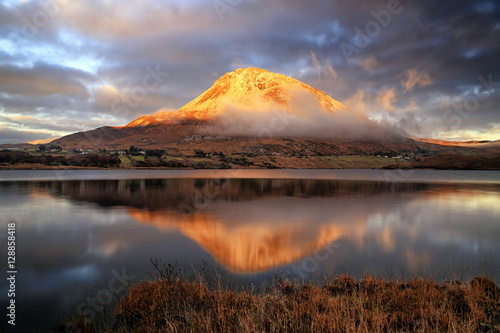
(427, 68)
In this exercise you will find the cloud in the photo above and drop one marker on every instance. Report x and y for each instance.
(55, 126)
(370, 63)
(330, 70)
(61, 70)
(316, 64)
(43, 80)
(413, 78)
(326, 70)
(357, 101)
(43, 141)
(106, 95)
(303, 117)
(386, 98)
(21, 136)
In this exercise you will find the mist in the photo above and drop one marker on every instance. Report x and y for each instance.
(303, 117)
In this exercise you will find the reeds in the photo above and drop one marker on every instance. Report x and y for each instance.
(172, 303)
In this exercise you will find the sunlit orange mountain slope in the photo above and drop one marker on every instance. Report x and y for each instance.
(247, 89)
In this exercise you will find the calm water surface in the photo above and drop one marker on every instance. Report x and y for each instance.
(80, 232)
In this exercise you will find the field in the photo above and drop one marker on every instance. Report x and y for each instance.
(23, 160)
(12, 161)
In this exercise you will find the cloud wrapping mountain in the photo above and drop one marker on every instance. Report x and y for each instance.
(257, 103)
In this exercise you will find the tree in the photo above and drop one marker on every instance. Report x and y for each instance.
(54, 147)
(42, 148)
(155, 153)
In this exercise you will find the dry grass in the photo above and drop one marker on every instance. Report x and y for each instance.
(342, 304)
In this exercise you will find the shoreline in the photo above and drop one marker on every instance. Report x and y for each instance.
(36, 167)
(23, 161)
(443, 177)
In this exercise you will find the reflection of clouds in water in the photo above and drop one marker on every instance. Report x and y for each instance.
(40, 211)
(444, 220)
(85, 225)
(63, 277)
(417, 261)
(463, 218)
(256, 225)
(402, 228)
(470, 202)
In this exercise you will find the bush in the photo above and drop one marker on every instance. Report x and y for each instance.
(158, 163)
(93, 160)
(17, 157)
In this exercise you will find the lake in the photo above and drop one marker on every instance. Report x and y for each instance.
(83, 235)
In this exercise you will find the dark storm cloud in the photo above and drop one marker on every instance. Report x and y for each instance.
(13, 136)
(91, 58)
(43, 80)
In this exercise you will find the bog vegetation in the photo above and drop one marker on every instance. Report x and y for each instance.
(173, 303)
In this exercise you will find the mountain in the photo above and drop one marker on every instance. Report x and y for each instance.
(254, 89)
(252, 110)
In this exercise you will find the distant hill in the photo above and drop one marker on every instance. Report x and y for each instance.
(453, 162)
(484, 144)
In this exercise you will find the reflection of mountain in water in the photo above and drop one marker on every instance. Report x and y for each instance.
(169, 194)
(249, 225)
